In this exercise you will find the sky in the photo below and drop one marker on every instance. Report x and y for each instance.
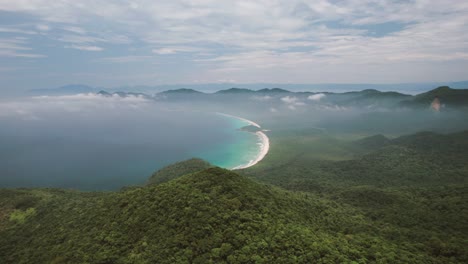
(50, 43)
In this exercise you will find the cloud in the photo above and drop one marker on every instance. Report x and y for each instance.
(316, 97)
(43, 27)
(16, 30)
(74, 29)
(164, 51)
(35, 108)
(276, 41)
(125, 59)
(292, 102)
(17, 47)
(261, 98)
(85, 47)
(289, 99)
(80, 39)
(176, 49)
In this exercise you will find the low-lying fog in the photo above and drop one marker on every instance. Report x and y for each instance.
(92, 141)
(97, 142)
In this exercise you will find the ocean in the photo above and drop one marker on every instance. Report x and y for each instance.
(106, 148)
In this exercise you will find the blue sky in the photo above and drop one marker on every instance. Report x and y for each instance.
(45, 43)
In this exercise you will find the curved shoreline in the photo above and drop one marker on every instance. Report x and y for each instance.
(264, 143)
(240, 118)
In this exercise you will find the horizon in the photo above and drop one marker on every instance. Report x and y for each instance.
(405, 88)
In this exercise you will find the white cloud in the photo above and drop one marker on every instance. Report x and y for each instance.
(85, 47)
(74, 29)
(176, 49)
(125, 59)
(16, 30)
(305, 41)
(289, 99)
(17, 47)
(164, 51)
(43, 27)
(292, 102)
(80, 39)
(261, 98)
(316, 97)
(35, 107)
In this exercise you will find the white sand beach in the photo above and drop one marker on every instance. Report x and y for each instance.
(264, 148)
(264, 143)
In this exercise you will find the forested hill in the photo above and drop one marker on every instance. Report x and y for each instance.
(448, 97)
(178, 169)
(211, 216)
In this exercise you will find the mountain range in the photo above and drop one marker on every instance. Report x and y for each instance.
(410, 88)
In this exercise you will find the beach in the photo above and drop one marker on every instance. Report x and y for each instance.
(264, 148)
(264, 143)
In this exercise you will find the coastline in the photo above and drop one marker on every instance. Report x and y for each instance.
(264, 143)
(240, 118)
(264, 148)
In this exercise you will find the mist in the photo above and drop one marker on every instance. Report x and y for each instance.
(104, 142)
(93, 142)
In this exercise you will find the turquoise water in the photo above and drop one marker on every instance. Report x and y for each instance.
(109, 149)
(239, 148)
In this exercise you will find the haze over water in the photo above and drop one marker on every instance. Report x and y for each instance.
(95, 143)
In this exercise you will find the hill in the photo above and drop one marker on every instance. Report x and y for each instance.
(235, 91)
(178, 169)
(368, 97)
(373, 142)
(447, 96)
(423, 159)
(273, 90)
(213, 216)
(182, 91)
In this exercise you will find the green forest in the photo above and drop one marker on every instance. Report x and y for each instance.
(314, 199)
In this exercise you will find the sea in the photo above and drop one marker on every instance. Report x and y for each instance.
(106, 147)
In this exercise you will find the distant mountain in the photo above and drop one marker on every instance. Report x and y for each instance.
(65, 90)
(235, 91)
(273, 90)
(409, 88)
(104, 93)
(366, 98)
(447, 96)
(181, 91)
(375, 93)
(182, 94)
